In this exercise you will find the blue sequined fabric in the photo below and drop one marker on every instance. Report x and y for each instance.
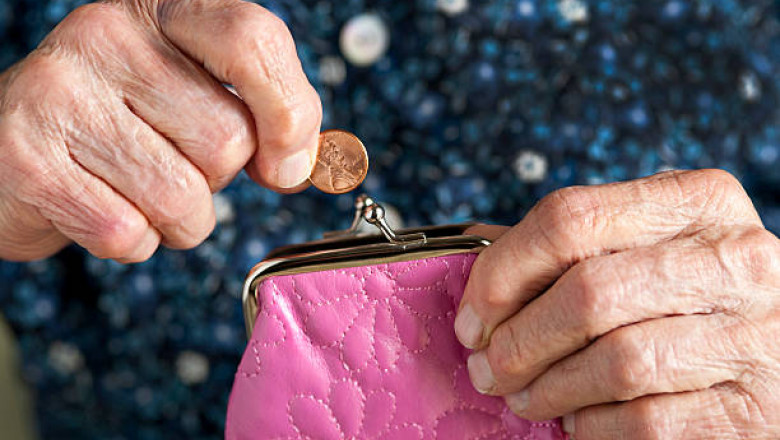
(474, 111)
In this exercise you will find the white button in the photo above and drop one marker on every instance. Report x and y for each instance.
(749, 86)
(364, 39)
(192, 367)
(65, 358)
(574, 11)
(526, 8)
(332, 70)
(452, 7)
(530, 166)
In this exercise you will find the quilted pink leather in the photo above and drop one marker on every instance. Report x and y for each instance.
(366, 352)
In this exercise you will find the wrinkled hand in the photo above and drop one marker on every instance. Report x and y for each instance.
(641, 310)
(117, 129)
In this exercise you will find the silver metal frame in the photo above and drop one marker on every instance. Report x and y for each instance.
(350, 249)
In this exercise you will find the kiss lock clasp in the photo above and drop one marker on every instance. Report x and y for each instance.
(368, 210)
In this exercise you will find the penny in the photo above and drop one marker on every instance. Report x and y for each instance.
(342, 162)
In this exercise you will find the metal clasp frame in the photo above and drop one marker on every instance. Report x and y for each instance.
(366, 209)
(352, 247)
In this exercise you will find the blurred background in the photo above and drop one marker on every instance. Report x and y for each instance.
(470, 110)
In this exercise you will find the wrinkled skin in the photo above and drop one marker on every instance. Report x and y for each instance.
(117, 129)
(641, 310)
(646, 309)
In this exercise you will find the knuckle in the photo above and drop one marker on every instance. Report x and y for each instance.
(225, 157)
(547, 405)
(186, 236)
(33, 180)
(505, 351)
(566, 214)
(21, 170)
(171, 210)
(753, 250)
(707, 191)
(496, 298)
(91, 13)
(184, 218)
(175, 199)
(265, 36)
(719, 190)
(277, 35)
(590, 297)
(300, 113)
(42, 78)
(117, 236)
(188, 221)
(721, 180)
(270, 59)
(648, 420)
(725, 191)
(631, 367)
(93, 25)
(306, 108)
(492, 292)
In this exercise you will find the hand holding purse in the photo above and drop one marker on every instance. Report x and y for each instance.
(351, 337)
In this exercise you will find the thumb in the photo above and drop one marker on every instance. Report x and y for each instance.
(242, 44)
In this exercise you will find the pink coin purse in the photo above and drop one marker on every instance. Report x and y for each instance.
(351, 337)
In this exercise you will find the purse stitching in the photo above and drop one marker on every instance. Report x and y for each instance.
(389, 422)
(299, 396)
(342, 349)
(321, 402)
(362, 398)
(420, 429)
(441, 284)
(254, 342)
(339, 341)
(277, 342)
(326, 301)
(446, 413)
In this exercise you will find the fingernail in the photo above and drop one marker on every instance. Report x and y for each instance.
(518, 402)
(480, 372)
(145, 248)
(468, 327)
(568, 425)
(294, 169)
(150, 242)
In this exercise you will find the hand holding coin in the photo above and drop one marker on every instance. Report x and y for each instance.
(342, 162)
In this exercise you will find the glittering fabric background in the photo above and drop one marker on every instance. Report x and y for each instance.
(474, 111)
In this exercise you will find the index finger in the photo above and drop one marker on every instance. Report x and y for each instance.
(243, 44)
(574, 224)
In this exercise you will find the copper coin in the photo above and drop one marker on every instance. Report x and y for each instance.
(342, 162)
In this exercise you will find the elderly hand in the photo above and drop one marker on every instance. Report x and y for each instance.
(637, 310)
(117, 129)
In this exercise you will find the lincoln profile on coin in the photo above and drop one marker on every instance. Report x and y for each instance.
(338, 168)
(342, 162)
